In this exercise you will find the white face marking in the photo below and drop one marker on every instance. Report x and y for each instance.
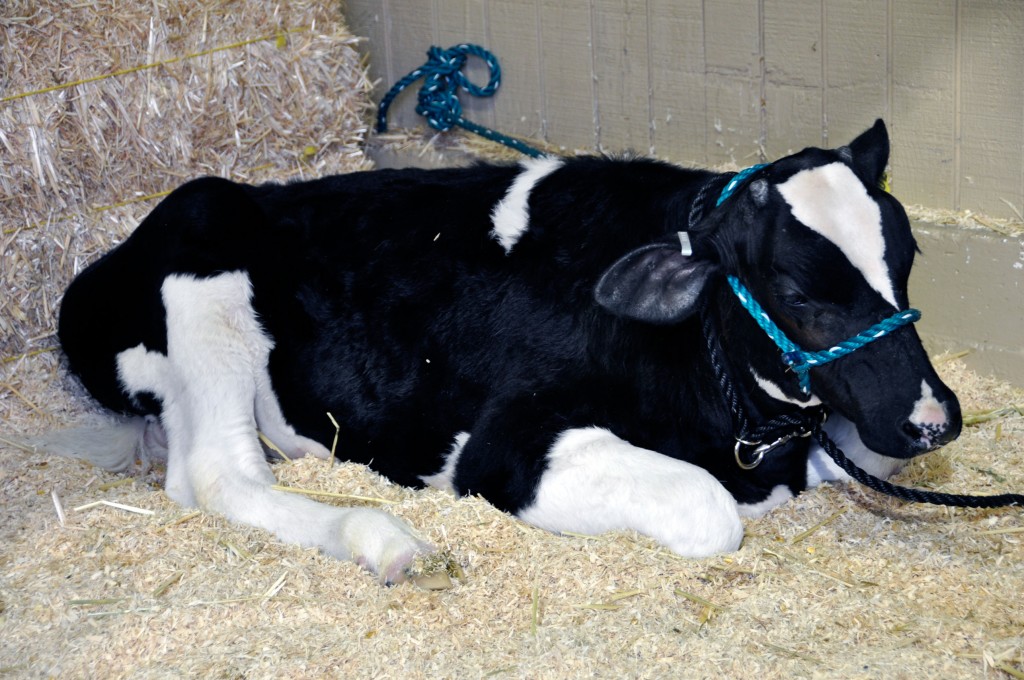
(443, 479)
(511, 216)
(779, 495)
(775, 392)
(929, 414)
(832, 201)
(596, 482)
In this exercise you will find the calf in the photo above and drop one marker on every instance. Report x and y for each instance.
(551, 335)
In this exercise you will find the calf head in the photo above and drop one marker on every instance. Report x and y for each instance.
(827, 253)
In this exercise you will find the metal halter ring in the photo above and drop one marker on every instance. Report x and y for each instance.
(761, 449)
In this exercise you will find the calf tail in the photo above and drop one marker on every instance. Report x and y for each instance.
(117, 447)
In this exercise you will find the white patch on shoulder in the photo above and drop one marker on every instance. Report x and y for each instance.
(821, 467)
(831, 200)
(443, 479)
(779, 495)
(775, 392)
(511, 216)
(596, 482)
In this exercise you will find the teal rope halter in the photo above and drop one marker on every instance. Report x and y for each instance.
(798, 359)
(802, 361)
(437, 100)
(737, 180)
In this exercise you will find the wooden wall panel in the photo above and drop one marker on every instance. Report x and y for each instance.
(734, 81)
(856, 70)
(923, 124)
(677, 68)
(567, 70)
(519, 104)
(712, 82)
(622, 75)
(794, 87)
(992, 105)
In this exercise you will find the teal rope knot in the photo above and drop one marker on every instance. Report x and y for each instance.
(802, 361)
(437, 100)
(738, 179)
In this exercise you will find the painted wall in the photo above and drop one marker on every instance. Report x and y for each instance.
(729, 81)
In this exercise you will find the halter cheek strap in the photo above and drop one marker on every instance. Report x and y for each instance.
(802, 361)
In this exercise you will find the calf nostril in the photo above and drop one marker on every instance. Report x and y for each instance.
(912, 430)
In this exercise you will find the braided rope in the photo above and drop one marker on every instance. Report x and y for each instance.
(800, 423)
(437, 100)
(737, 180)
(904, 493)
(802, 361)
(732, 400)
(777, 430)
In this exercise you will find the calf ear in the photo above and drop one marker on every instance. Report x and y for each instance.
(869, 154)
(655, 283)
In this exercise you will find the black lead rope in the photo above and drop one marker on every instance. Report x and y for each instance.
(907, 494)
(782, 428)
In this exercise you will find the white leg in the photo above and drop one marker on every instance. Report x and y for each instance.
(443, 479)
(596, 482)
(208, 384)
(271, 421)
(779, 495)
(821, 468)
(143, 371)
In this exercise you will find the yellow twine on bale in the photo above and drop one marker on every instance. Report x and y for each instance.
(280, 38)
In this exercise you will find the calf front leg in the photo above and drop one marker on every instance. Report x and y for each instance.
(597, 482)
(526, 458)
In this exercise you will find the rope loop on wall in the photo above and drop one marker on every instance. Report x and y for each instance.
(438, 99)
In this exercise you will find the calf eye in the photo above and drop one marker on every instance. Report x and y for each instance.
(794, 300)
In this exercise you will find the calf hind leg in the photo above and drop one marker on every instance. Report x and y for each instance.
(209, 386)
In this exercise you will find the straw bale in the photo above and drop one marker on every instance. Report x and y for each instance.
(173, 89)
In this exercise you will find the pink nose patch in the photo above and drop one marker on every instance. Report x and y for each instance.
(929, 414)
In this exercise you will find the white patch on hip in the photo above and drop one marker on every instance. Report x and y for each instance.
(775, 392)
(596, 482)
(832, 201)
(443, 479)
(511, 216)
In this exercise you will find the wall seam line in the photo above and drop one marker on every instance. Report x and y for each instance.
(957, 104)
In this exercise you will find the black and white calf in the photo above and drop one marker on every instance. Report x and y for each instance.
(531, 333)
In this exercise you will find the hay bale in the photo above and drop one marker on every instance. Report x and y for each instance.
(104, 107)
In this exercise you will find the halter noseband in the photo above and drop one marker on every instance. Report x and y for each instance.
(802, 361)
(798, 359)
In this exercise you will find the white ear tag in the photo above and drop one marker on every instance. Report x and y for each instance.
(684, 244)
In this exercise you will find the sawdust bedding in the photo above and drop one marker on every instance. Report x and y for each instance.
(837, 583)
